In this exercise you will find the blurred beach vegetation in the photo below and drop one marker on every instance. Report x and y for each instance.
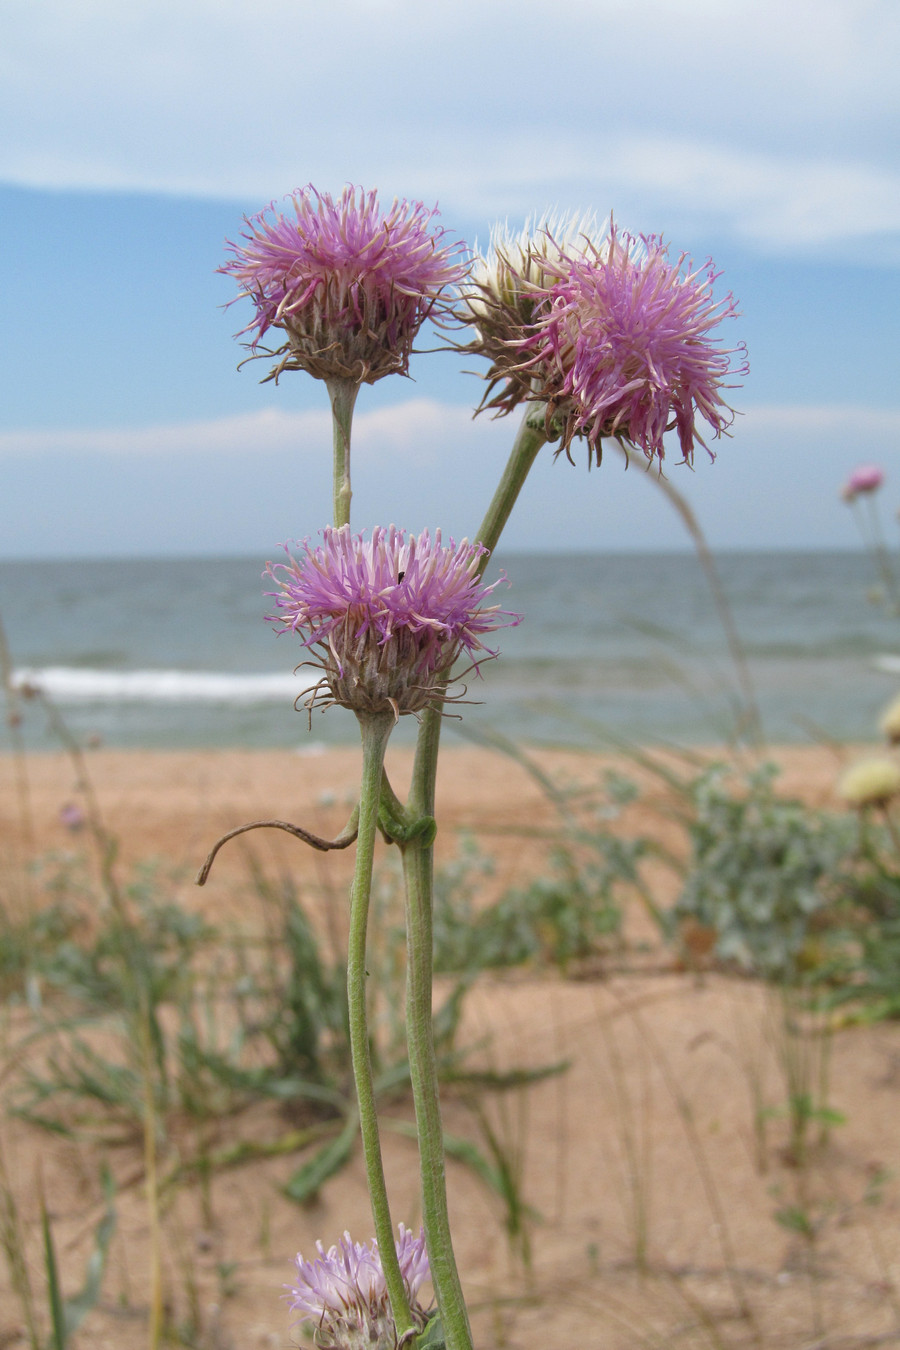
(167, 1048)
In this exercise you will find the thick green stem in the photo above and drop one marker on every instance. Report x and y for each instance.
(375, 732)
(417, 867)
(342, 394)
(418, 864)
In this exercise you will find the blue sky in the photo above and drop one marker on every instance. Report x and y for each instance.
(135, 138)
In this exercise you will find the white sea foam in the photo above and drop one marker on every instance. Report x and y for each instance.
(73, 684)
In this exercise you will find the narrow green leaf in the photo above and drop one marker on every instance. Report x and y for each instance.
(54, 1295)
(432, 1338)
(308, 1180)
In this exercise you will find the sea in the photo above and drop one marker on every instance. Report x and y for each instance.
(612, 649)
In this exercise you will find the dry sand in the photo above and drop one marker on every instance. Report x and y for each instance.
(654, 1213)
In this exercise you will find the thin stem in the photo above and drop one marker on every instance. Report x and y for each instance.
(751, 714)
(891, 826)
(151, 1177)
(882, 555)
(343, 840)
(375, 732)
(529, 439)
(14, 722)
(11, 1240)
(105, 845)
(417, 867)
(342, 394)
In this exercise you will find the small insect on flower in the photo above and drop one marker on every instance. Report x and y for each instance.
(387, 617)
(348, 284)
(343, 1291)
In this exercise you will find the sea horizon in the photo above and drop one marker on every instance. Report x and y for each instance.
(175, 651)
(207, 555)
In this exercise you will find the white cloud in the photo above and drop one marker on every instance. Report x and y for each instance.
(764, 198)
(266, 476)
(769, 121)
(419, 430)
(269, 429)
(852, 421)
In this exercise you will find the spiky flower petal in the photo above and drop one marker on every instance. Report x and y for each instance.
(388, 617)
(519, 267)
(343, 1291)
(625, 349)
(508, 289)
(349, 284)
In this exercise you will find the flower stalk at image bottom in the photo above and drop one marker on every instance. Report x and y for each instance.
(385, 620)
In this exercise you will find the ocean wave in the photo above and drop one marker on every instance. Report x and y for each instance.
(74, 684)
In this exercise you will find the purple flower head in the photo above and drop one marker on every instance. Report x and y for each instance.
(609, 335)
(626, 349)
(388, 617)
(343, 1291)
(867, 478)
(348, 284)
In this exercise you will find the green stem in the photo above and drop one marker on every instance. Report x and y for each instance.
(151, 1177)
(529, 439)
(342, 394)
(418, 865)
(882, 556)
(375, 732)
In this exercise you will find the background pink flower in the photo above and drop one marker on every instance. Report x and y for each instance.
(866, 478)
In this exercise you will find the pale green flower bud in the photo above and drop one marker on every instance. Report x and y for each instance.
(872, 782)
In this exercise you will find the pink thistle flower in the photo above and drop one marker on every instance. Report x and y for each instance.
(603, 330)
(389, 616)
(348, 284)
(867, 478)
(625, 349)
(343, 1290)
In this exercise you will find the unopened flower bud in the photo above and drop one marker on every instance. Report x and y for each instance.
(872, 782)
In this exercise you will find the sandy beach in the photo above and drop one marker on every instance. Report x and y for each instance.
(170, 805)
(655, 1217)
